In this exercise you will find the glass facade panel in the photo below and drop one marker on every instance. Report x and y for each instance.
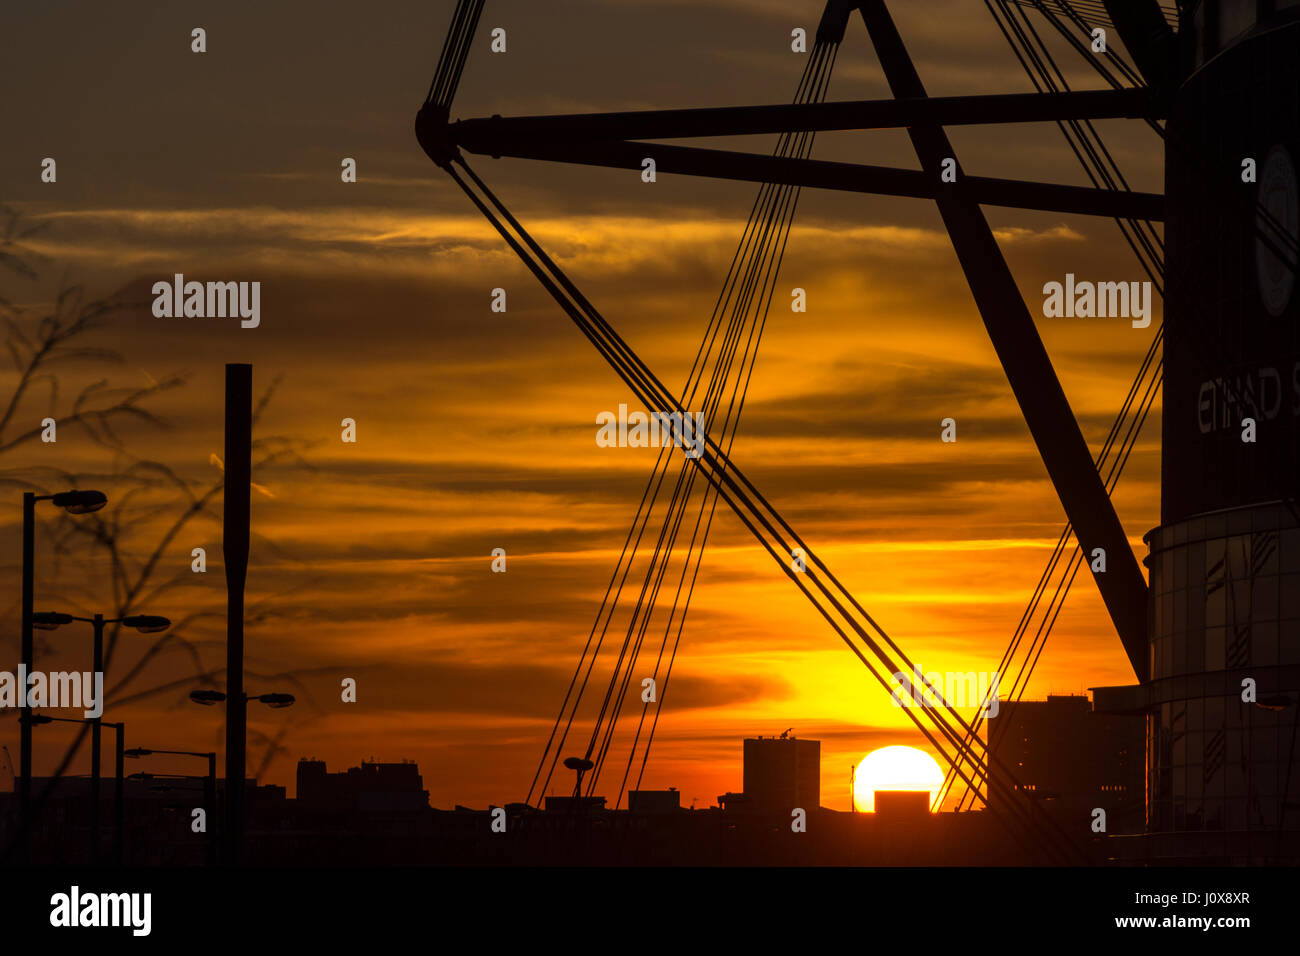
(1265, 550)
(1289, 547)
(1263, 597)
(1289, 597)
(1238, 553)
(1215, 604)
(1239, 609)
(1214, 649)
(1263, 644)
(1226, 602)
(1235, 18)
(1195, 652)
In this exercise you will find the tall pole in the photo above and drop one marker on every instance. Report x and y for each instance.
(97, 667)
(25, 714)
(234, 543)
(210, 802)
(119, 806)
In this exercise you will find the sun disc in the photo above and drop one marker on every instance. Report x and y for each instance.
(895, 768)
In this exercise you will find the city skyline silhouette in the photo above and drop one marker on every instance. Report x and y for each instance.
(434, 517)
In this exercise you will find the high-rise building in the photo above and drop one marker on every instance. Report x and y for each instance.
(1223, 781)
(782, 773)
(1071, 758)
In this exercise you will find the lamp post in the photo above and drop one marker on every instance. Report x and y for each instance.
(145, 624)
(235, 531)
(209, 790)
(119, 727)
(73, 502)
(579, 765)
(235, 785)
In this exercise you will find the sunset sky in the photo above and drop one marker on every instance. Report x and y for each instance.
(476, 429)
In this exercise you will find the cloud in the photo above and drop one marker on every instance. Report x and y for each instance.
(419, 243)
(515, 690)
(477, 428)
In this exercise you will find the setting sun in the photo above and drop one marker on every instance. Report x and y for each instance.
(895, 768)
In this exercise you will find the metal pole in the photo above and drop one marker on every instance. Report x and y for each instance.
(210, 801)
(119, 811)
(235, 533)
(25, 723)
(97, 667)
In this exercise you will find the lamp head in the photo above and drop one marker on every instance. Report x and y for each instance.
(80, 502)
(49, 620)
(147, 623)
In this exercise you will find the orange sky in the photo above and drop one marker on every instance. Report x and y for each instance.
(476, 430)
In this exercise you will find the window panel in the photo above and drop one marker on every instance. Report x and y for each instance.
(1214, 649)
(1289, 596)
(1263, 598)
(1195, 652)
(1263, 647)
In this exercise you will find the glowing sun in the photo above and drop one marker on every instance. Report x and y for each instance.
(895, 768)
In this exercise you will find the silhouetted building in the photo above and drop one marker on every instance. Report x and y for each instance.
(654, 801)
(731, 801)
(280, 832)
(902, 804)
(157, 818)
(782, 773)
(1063, 752)
(370, 788)
(574, 804)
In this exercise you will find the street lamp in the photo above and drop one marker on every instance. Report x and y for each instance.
(73, 502)
(234, 825)
(277, 701)
(209, 697)
(145, 624)
(77, 502)
(120, 728)
(580, 765)
(209, 789)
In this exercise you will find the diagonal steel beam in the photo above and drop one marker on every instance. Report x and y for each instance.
(499, 134)
(848, 177)
(1029, 369)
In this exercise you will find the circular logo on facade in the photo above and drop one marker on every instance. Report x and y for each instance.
(1277, 221)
